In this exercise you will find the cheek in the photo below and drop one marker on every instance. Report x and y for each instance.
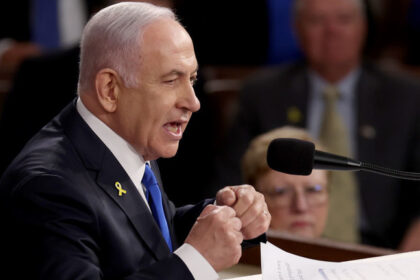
(280, 219)
(320, 219)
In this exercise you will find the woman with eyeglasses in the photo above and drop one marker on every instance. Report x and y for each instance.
(297, 204)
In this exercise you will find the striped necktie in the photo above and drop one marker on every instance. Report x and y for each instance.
(342, 217)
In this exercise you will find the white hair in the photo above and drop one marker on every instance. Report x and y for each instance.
(298, 5)
(112, 39)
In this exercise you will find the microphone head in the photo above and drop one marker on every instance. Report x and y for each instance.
(291, 156)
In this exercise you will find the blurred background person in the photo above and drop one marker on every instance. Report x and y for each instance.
(32, 27)
(297, 204)
(378, 113)
(50, 73)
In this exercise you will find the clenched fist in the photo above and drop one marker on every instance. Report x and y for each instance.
(250, 208)
(217, 236)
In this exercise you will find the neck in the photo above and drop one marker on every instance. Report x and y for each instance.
(91, 103)
(334, 74)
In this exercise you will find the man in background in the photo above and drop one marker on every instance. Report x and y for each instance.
(379, 112)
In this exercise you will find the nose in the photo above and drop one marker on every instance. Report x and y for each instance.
(332, 26)
(189, 100)
(300, 203)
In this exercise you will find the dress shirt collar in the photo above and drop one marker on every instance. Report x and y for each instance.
(345, 86)
(130, 160)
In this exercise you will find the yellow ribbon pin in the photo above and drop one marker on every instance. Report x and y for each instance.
(121, 191)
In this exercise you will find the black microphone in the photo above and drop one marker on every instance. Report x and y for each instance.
(298, 157)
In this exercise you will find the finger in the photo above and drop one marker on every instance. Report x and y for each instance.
(226, 212)
(221, 213)
(238, 237)
(254, 211)
(258, 226)
(236, 224)
(245, 196)
(226, 196)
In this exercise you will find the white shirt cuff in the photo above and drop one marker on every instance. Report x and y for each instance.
(196, 263)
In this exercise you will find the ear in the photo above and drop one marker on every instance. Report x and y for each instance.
(107, 85)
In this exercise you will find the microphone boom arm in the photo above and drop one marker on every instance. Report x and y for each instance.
(323, 160)
(390, 172)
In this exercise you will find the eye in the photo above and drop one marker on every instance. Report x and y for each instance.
(193, 80)
(170, 82)
(280, 191)
(315, 20)
(314, 189)
(346, 18)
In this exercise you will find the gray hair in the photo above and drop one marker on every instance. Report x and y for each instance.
(298, 5)
(112, 39)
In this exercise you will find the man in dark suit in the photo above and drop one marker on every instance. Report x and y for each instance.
(81, 202)
(381, 111)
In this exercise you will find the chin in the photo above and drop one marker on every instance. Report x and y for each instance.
(169, 151)
(303, 232)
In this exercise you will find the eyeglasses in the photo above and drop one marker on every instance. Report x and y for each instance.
(282, 197)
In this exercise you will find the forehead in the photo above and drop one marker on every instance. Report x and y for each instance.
(311, 6)
(316, 177)
(166, 41)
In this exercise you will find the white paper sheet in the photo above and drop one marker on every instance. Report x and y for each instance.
(277, 264)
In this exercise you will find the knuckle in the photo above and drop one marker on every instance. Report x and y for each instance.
(260, 196)
(256, 211)
(236, 224)
(230, 211)
(247, 198)
(250, 187)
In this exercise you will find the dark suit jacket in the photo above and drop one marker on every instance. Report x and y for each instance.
(62, 217)
(388, 134)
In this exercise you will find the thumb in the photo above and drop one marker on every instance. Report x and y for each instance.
(226, 196)
(207, 210)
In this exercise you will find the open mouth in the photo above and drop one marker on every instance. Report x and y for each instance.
(174, 128)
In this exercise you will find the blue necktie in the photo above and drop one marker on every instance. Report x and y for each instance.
(154, 197)
(45, 23)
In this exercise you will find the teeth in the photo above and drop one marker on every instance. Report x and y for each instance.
(174, 128)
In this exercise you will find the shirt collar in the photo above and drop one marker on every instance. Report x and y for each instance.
(346, 86)
(130, 160)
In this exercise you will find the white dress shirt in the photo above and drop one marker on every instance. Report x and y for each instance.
(134, 166)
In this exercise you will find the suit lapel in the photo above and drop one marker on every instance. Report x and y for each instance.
(367, 115)
(111, 176)
(299, 89)
(291, 94)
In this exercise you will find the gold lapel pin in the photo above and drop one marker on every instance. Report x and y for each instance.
(294, 115)
(121, 191)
